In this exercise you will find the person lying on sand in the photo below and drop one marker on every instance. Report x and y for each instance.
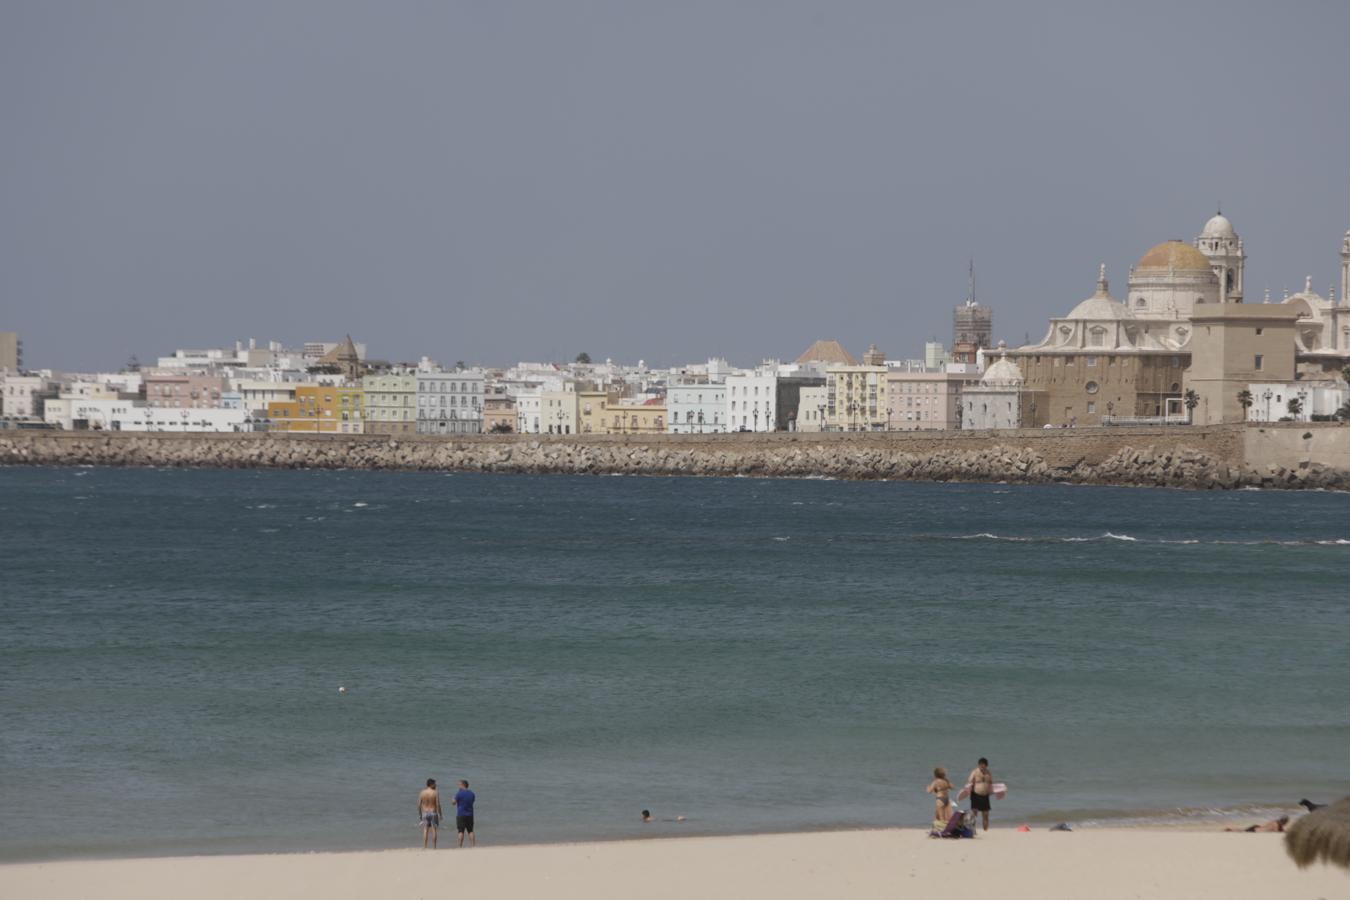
(1272, 825)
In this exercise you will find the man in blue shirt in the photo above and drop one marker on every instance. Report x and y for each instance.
(464, 813)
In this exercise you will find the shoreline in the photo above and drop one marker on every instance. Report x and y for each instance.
(1105, 863)
(1226, 457)
(1193, 821)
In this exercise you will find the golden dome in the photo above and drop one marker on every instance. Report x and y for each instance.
(1174, 255)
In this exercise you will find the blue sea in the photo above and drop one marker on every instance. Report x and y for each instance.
(754, 655)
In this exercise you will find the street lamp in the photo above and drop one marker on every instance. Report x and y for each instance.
(1266, 396)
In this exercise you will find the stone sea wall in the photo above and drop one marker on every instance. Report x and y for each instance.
(1199, 457)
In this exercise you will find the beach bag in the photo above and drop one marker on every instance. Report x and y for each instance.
(954, 825)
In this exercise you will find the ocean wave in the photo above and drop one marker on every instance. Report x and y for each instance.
(1165, 816)
(1131, 539)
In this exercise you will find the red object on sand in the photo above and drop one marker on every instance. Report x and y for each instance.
(1023, 827)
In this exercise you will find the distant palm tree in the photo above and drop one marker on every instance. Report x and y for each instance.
(1344, 412)
(1295, 406)
(1245, 400)
(1192, 400)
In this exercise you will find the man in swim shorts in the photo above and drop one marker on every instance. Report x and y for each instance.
(464, 813)
(429, 813)
(981, 783)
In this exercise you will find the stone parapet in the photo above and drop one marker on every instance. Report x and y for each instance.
(1225, 456)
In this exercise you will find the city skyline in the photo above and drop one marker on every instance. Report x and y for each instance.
(527, 182)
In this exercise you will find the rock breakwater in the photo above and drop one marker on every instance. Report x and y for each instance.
(1191, 458)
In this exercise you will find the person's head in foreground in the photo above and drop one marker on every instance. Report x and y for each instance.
(463, 783)
(940, 772)
(431, 782)
(984, 763)
(646, 815)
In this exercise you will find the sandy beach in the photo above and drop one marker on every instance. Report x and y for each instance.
(1104, 864)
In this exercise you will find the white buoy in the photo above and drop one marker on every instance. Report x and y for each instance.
(341, 689)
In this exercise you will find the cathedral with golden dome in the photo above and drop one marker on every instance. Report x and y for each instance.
(1180, 330)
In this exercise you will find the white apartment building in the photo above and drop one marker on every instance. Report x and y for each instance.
(449, 402)
(256, 395)
(750, 399)
(811, 408)
(1271, 400)
(19, 395)
(699, 408)
(529, 410)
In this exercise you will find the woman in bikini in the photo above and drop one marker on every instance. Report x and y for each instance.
(941, 788)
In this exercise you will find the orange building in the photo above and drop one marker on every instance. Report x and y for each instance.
(319, 409)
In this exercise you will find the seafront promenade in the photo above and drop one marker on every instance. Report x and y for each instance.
(1285, 455)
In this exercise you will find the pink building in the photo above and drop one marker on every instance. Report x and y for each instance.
(925, 401)
(183, 390)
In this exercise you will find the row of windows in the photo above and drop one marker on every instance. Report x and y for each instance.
(1092, 361)
(439, 387)
(431, 401)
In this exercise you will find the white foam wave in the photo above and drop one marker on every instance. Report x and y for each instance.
(1131, 539)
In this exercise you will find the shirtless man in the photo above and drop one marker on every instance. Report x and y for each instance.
(981, 783)
(429, 813)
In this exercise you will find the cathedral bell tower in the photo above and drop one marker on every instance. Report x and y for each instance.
(1221, 244)
(1345, 269)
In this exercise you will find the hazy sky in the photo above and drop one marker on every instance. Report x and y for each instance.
(494, 181)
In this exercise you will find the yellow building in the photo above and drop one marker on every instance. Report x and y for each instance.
(558, 412)
(591, 407)
(856, 398)
(636, 418)
(318, 409)
(600, 413)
